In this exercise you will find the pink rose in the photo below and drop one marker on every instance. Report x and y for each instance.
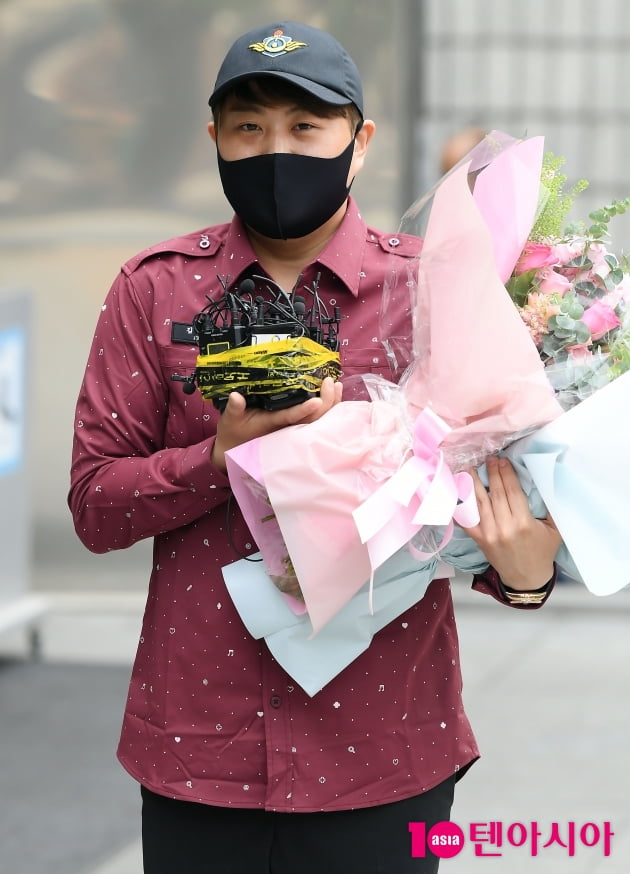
(615, 297)
(552, 282)
(599, 319)
(597, 253)
(534, 256)
(566, 252)
(580, 353)
(621, 292)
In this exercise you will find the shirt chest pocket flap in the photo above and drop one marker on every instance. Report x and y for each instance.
(372, 359)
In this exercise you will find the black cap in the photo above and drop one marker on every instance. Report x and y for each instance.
(310, 58)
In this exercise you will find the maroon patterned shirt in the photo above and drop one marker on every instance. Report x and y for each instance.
(210, 716)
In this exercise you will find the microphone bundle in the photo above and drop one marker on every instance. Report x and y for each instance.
(272, 347)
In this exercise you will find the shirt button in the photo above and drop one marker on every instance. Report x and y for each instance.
(393, 242)
(275, 701)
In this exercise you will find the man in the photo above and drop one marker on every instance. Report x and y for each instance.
(240, 770)
(458, 145)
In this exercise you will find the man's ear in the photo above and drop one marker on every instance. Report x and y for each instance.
(363, 137)
(361, 142)
(212, 130)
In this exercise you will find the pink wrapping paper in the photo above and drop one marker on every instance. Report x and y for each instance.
(510, 217)
(314, 481)
(248, 484)
(475, 363)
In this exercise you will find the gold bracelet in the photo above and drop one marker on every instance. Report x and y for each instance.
(525, 597)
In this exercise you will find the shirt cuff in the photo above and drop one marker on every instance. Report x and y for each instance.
(490, 583)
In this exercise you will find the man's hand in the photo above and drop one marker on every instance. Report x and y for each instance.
(240, 423)
(519, 547)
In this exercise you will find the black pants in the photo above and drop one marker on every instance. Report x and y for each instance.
(182, 837)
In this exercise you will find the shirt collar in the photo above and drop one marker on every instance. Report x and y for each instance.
(342, 255)
(237, 254)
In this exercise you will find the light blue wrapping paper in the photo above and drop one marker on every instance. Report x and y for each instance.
(313, 661)
(578, 466)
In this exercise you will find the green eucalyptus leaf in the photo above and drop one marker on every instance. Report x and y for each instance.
(586, 287)
(582, 333)
(550, 346)
(576, 311)
(582, 262)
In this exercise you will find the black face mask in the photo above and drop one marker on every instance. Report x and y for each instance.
(284, 196)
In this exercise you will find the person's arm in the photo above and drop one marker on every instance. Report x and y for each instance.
(519, 547)
(125, 485)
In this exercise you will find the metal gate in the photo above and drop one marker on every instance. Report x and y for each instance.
(558, 68)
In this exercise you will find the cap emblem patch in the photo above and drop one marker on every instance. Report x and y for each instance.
(276, 45)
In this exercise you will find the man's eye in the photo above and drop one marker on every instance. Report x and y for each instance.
(248, 126)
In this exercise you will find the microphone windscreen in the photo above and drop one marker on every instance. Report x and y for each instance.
(247, 286)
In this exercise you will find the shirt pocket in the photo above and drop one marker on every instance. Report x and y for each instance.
(357, 363)
(368, 360)
(190, 418)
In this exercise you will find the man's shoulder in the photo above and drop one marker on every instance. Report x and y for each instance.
(404, 245)
(203, 243)
(378, 241)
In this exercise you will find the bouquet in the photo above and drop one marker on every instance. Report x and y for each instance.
(383, 489)
(374, 475)
(574, 294)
